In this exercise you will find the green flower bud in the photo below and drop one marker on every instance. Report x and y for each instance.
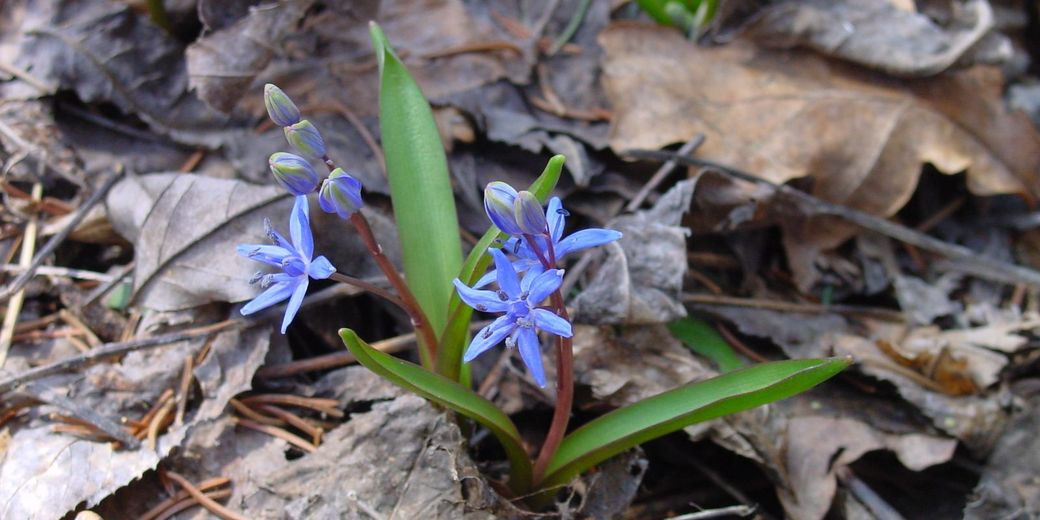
(281, 109)
(305, 138)
(294, 173)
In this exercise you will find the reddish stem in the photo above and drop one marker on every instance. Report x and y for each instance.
(564, 371)
(564, 395)
(411, 305)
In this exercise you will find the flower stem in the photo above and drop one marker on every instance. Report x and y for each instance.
(370, 287)
(564, 395)
(410, 305)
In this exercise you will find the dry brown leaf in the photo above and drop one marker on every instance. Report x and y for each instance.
(786, 115)
(818, 446)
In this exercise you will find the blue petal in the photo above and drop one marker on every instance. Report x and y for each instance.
(531, 354)
(554, 214)
(507, 280)
(586, 238)
(485, 301)
(270, 255)
(533, 269)
(549, 322)
(269, 297)
(294, 303)
(488, 337)
(300, 227)
(320, 268)
(544, 285)
(485, 280)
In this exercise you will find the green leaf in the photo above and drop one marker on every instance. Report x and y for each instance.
(703, 339)
(696, 402)
(420, 186)
(449, 394)
(453, 339)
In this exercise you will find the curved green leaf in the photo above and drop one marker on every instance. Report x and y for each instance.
(449, 394)
(453, 339)
(420, 186)
(696, 402)
(706, 341)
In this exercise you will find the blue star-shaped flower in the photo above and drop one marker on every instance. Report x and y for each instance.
(294, 259)
(527, 260)
(519, 300)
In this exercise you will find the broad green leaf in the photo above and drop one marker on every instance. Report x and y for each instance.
(420, 186)
(453, 339)
(449, 394)
(667, 412)
(706, 341)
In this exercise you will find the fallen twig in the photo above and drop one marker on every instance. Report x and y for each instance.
(962, 258)
(84, 414)
(58, 238)
(14, 307)
(114, 349)
(738, 510)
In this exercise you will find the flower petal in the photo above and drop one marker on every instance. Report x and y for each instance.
(584, 239)
(506, 274)
(484, 301)
(270, 255)
(488, 337)
(543, 285)
(554, 215)
(270, 296)
(549, 322)
(532, 270)
(294, 303)
(485, 280)
(300, 228)
(320, 268)
(531, 354)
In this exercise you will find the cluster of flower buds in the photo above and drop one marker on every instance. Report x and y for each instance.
(537, 245)
(339, 193)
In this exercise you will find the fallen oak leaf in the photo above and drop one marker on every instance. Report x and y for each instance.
(788, 115)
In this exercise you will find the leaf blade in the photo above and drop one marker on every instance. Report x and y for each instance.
(632, 425)
(420, 186)
(449, 394)
(704, 340)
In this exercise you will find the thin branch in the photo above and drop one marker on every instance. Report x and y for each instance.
(114, 349)
(962, 258)
(57, 239)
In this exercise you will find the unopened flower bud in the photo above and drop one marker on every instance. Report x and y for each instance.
(340, 194)
(281, 109)
(529, 214)
(499, 204)
(294, 173)
(305, 138)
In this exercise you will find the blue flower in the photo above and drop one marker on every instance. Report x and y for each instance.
(527, 260)
(340, 194)
(294, 259)
(519, 300)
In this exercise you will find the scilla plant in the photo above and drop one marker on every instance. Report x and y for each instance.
(525, 245)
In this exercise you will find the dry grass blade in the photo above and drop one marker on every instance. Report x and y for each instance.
(275, 431)
(191, 502)
(206, 485)
(318, 404)
(210, 504)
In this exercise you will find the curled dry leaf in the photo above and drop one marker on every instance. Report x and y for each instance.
(818, 446)
(223, 64)
(641, 278)
(185, 229)
(1009, 487)
(880, 35)
(784, 116)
